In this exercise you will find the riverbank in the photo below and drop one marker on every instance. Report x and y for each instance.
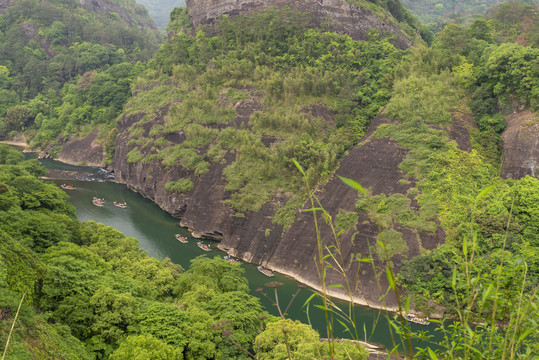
(155, 231)
(67, 175)
(18, 143)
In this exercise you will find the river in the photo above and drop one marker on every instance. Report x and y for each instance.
(155, 229)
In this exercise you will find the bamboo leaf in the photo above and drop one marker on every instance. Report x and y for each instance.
(525, 334)
(407, 305)
(314, 209)
(353, 184)
(485, 192)
(486, 293)
(309, 299)
(335, 286)
(298, 166)
(390, 280)
(322, 307)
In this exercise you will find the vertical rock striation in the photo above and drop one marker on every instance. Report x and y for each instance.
(340, 15)
(4, 4)
(521, 146)
(255, 238)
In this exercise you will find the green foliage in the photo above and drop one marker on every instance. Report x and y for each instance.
(496, 123)
(346, 219)
(198, 135)
(65, 66)
(511, 69)
(390, 243)
(285, 338)
(313, 94)
(286, 335)
(135, 156)
(22, 268)
(180, 186)
(423, 99)
(211, 274)
(164, 322)
(188, 158)
(10, 156)
(142, 347)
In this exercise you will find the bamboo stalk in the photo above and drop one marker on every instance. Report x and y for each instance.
(13, 326)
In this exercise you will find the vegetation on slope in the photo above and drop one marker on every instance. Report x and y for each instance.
(65, 68)
(466, 71)
(91, 293)
(297, 80)
(438, 14)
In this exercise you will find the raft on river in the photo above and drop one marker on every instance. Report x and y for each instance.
(265, 271)
(182, 239)
(416, 319)
(98, 202)
(203, 246)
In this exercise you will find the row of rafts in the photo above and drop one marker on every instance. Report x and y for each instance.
(99, 202)
(230, 258)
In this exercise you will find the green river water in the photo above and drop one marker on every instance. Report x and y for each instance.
(155, 230)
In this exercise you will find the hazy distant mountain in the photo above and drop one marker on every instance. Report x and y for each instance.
(160, 9)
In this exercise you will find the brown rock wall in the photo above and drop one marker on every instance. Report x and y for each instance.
(521, 145)
(353, 20)
(255, 238)
(86, 151)
(4, 4)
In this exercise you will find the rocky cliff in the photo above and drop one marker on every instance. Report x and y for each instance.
(4, 5)
(339, 15)
(521, 146)
(254, 237)
(85, 151)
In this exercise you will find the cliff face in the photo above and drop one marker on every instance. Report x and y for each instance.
(255, 238)
(142, 19)
(85, 151)
(341, 16)
(521, 146)
(4, 5)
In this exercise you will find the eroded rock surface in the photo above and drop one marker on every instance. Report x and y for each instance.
(339, 15)
(86, 151)
(4, 5)
(253, 236)
(521, 146)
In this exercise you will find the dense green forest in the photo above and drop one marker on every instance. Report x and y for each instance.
(135, 306)
(438, 14)
(66, 73)
(275, 60)
(65, 68)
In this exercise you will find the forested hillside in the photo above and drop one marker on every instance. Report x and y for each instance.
(90, 293)
(64, 65)
(233, 127)
(312, 95)
(438, 14)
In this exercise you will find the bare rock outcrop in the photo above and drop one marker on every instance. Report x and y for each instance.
(4, 4)
(85, 151)
(340, 15)
(521, 145)
(254, 237)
